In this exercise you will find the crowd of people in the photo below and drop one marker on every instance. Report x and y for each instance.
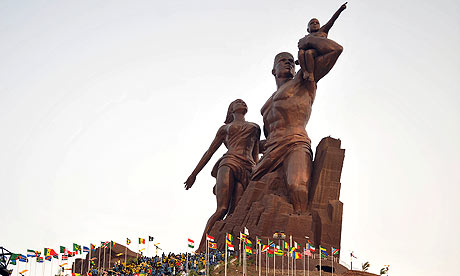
(171, 264)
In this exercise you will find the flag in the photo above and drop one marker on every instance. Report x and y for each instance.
(191, 243)
(13, 261)
(265, 248)
(141, 241)
(228, 240)
(291, 250)
(306, 252)
(39, 259)
(323, 251)
(31, 253)
(212, 245)
(62, 249)
(119, 254)
(246, 231)
(209, 238)
(85, 249)
(14, 256)
(335, 251)
(286, 245)
(64, 257)
(112, 244)
(48, 258)
(352, 255)
(270, 252)
(24, 271)
(128, 241)
(64, 264)
(46, 252)
(271, 243)
(311, 248)
(296, 245)
(231, 247)
(93, 247)
(76, 247)
(249, 249)
(296, 255)
(279, 252)
(53, 253)
(150, 238)
(248, 242)
(23, 258)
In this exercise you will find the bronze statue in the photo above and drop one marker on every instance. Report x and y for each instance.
(307, 53)
(232, 171)
(286, 114)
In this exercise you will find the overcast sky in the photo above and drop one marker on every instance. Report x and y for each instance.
(107, 106)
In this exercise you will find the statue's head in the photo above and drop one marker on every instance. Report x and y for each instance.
(313, 25)
(284, 66)
(237, 106)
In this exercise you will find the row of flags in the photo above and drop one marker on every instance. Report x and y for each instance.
(294, 251)
(49, 253)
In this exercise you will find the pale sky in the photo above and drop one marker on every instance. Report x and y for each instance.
(107, 106)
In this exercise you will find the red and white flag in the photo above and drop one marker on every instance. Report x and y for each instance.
(209, 238)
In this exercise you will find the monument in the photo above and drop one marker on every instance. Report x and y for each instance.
(288, 191)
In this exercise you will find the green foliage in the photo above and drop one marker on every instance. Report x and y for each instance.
(365, 266)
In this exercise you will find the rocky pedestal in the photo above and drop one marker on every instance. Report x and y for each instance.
(266, 208)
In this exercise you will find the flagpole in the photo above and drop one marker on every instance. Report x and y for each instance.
(35, 269)
(267, 266)
(51, 267)
(226, 234)
(206, 258)
(110, 253)
(99, 261)
(126, 255)
(308, 265)
(320, 260)
(104, 258)
(260, 259)
(90, 249)
(304, 251)
(332, 255)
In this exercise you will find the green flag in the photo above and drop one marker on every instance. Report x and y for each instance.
(62, 249)
(76, 247)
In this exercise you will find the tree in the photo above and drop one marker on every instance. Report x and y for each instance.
(365, 266)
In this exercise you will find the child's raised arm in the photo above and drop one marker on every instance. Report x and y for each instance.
(326, 27)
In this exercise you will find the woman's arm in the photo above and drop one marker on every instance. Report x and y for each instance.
(218, 140)
(326, 27)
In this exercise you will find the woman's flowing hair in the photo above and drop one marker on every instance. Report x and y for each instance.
(229, 117)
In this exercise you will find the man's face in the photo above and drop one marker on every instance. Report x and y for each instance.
(284, 67)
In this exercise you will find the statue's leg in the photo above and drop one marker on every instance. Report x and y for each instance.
(328, 51)
(297, 170)
(224, 188)
(236, 196)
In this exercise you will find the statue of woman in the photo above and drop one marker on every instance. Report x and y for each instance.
(233, 170)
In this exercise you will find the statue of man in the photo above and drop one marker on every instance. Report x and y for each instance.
(286, 113)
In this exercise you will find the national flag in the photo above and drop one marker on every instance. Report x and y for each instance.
(191, 243)
(296, 255)
(13, 261)
(62, 249)
(39, 259)
(306, 252)
(248, 249)
(271, 243)
(265, 248)
(48, 258)
(128, 241)
(119, 254)
(291, 250)
(76, 247)
(209, 238)
(141, 241)
(64, 257)
(112, 244)
(64, 264)
(85, 249)
(311, 247)
(279, 252)
(323, 251)
(93, 247)
(296, 245)
(53, 253)
(212, 245)
(246, 231)
(150, 238)
(24, 271)
(270, 252)
(335, 251)
(23, 258)
(31, 253)
(248, 242)
(46, 252)
(242, 236)
(15, 256)
(286, 245)
(229, 239)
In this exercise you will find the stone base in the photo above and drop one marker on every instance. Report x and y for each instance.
(266, 208)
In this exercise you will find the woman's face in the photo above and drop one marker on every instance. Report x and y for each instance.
(240, 106)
